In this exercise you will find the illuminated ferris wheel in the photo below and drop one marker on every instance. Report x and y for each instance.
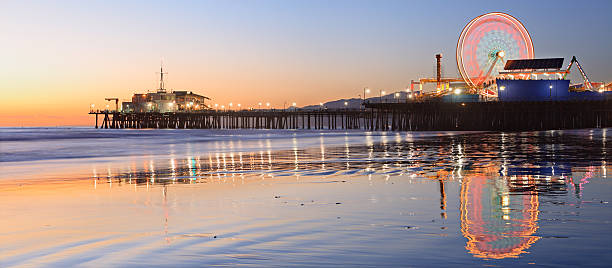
(486, 42)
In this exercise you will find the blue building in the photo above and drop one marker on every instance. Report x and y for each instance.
(540, 80)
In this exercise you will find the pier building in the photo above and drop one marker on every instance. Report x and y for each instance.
(165, 102)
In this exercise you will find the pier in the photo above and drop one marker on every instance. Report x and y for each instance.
(411, 116)
(245, 119)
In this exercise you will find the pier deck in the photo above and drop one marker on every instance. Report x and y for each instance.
(414, 116)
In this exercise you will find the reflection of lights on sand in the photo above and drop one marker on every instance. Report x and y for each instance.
(604, 133)
(109, 177)
(218, 161)
(268, 144)
(240, 160)
(369, 141)
(261, 160)
(459, 163)
(505, 200)
(210, 161)
(322, 141)
(152, 172)
(192, 167)
(224, 162)
(347, 151)
(295, 153)
(270, 160)
(173, 167)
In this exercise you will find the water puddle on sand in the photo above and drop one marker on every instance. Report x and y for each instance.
(393, 200)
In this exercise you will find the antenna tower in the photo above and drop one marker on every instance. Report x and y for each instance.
(161, 78)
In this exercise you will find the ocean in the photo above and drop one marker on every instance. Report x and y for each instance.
(325, 198)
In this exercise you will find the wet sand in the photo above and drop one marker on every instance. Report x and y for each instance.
(306, 199)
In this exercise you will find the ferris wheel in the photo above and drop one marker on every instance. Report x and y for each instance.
(486, 42)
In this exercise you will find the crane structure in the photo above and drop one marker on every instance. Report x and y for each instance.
(116, 102)
(441, 82)
(587, 83)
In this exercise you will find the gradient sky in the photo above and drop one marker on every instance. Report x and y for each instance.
(58, 57)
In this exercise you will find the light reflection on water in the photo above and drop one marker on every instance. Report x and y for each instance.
(492, 192)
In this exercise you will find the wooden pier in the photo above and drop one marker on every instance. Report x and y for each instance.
(412, 116)
(259, 119)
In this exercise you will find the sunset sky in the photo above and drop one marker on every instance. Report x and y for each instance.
(58, 57)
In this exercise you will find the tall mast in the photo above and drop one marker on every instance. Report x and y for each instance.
(161, 78)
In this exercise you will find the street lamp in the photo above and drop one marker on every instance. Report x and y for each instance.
(550, 92)
(365, 90)
(268, 105)
(382, 92)
(239, 106)
(408, 94)
(345, 104)
(397, 95)
(457, 92)
(259, 106)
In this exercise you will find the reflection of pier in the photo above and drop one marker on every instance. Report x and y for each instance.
(362, 160)
(502, 183)
(384, 116)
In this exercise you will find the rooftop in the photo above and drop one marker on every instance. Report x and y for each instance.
(551, 63)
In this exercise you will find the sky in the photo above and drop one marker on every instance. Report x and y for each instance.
(59, 57)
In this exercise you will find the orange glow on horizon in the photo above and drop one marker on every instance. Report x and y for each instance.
(65, 99)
